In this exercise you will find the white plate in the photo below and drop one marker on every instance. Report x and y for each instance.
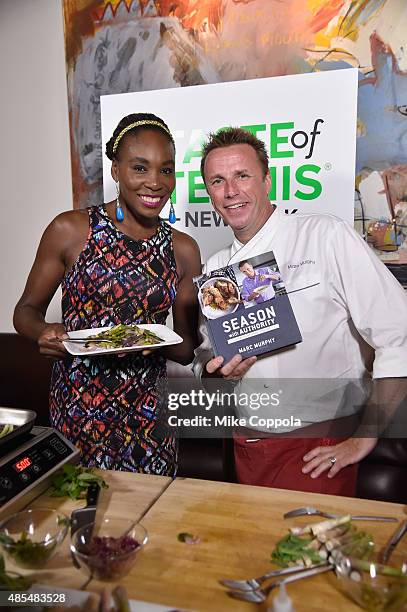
(167, 334)
(212, 313)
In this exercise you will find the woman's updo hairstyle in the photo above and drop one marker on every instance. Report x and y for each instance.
(131, 124)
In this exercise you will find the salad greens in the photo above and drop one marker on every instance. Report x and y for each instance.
(292, 549)
(122, 336)
(12, 581)
(27, 553)
(319, 542)
(74, 480)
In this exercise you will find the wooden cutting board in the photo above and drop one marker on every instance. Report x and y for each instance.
(238, 526)
(129, 496)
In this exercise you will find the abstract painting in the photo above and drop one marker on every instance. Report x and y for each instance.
(119, 46)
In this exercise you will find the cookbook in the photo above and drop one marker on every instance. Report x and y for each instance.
(246, 308)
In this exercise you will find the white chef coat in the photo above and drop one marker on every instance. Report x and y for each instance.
(342, 296)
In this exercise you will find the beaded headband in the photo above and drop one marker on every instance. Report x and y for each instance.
(137, 124)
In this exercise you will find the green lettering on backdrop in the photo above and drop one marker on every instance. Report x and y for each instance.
(275, 139)
(174, 193)
(286, 182)
(308, 182)
(195, 183)
(254, 129)
(195, 147)
(273, 188)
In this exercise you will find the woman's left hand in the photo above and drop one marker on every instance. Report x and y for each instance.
(334, 458)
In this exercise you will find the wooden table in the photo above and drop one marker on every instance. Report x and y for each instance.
(238, 526)
(128, 496)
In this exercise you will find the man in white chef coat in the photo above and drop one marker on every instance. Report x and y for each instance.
(344, 300)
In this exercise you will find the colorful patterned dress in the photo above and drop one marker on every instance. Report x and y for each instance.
(111, 407)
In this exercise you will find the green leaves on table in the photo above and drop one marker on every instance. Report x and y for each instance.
(188, 538)
(292, 549)
(74, 480)
(320, 542)
(12, 581)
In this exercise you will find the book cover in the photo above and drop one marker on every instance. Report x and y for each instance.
(246, 308)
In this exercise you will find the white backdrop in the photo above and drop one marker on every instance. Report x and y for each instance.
(307, 121)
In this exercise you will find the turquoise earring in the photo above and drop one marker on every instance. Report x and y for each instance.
(119, 209)
(172, 217)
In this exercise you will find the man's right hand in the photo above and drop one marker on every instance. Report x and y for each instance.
(234, 369)
(50, 341)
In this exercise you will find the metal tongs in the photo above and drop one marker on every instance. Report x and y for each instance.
(385, 553)
(308, 511)
(259, 595)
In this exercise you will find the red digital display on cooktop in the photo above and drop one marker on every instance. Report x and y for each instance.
(22, 464)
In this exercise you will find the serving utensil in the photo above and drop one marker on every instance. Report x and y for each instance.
(86, 515)
(88, 340)
(395, 538)
(260, 595)
(252, 584)
(92, 339)
(315, 512)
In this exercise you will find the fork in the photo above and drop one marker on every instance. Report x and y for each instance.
(254, 583)
(260, 595)
(314, 512)
(87, 340)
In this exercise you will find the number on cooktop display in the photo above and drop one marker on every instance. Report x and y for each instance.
(22, 464)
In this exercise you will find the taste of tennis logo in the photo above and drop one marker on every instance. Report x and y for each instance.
(291, 181)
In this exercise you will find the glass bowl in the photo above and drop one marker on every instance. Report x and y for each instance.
(109, 549)
(30, 538)
(375, 587)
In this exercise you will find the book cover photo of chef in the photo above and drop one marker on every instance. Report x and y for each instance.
(246, 308)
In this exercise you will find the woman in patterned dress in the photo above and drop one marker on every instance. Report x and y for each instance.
(113, 270)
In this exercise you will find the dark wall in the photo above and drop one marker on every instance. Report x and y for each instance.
(24, 376)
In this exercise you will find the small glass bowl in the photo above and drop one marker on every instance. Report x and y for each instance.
(30, 538)
(375, 587)
(109, 550)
